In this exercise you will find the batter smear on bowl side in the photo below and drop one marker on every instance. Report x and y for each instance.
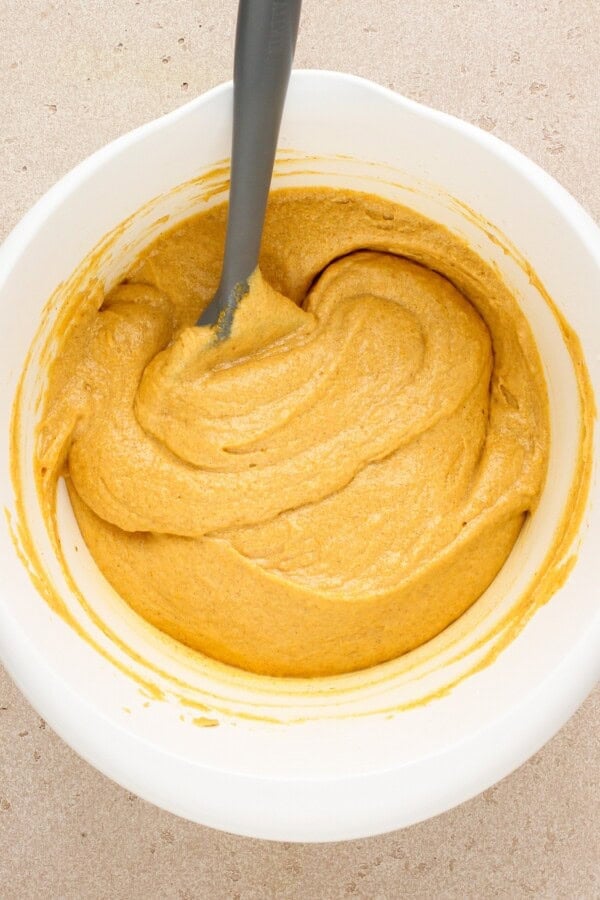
(337, 482)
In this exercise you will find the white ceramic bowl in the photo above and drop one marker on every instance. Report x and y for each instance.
(360, 754)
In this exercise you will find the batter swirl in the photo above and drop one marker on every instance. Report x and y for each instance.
(341, 479)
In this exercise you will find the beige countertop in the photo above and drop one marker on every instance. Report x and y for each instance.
(77, 73)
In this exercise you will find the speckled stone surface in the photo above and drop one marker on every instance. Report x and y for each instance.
(74, 75)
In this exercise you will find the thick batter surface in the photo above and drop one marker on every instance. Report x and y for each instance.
(341, 479)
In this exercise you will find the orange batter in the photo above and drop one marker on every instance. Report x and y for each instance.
(338, 481)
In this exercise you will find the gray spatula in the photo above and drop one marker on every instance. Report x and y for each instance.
(264, 49)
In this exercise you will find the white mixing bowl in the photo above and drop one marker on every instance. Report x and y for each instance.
(342, 757)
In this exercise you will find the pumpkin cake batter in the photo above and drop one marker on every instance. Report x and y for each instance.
(337, 482)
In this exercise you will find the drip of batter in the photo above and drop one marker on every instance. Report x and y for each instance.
(337, 482)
